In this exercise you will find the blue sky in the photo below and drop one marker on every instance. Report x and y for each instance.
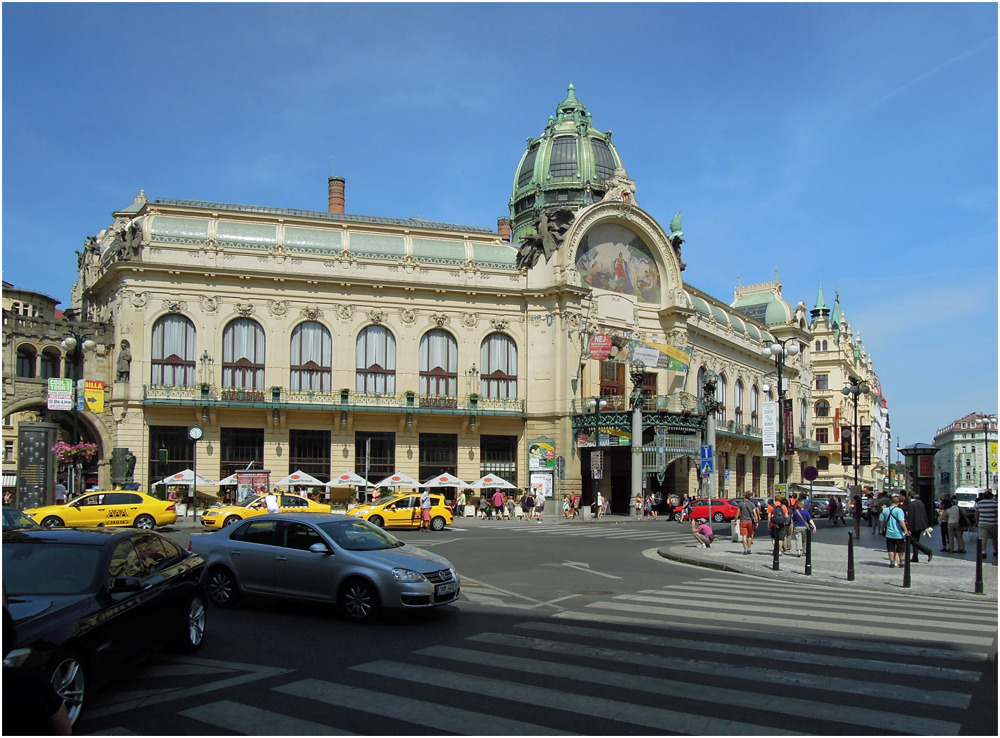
(853, 144)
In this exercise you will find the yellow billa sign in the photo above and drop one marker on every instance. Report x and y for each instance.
(93, 395)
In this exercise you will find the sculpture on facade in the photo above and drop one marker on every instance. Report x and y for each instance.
(124, 364)
(550, 228)
(676, 238)
(619, 188)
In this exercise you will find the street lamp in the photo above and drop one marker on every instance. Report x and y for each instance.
(779, 350)
(75, 345)
(854, 390)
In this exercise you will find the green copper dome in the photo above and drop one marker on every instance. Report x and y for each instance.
(565, 167)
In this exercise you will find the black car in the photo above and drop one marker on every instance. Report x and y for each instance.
(89, 602)
(14, 519)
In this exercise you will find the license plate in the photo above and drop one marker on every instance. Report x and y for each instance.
(443, 589)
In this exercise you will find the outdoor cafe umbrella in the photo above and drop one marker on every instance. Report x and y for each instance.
(348, 479)
(398, 480)
(186, 478)
(491, 481)
(231, 479)
(444, 480)
(297, 478)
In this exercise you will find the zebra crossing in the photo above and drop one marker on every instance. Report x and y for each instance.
(664, 530)
(709, 656)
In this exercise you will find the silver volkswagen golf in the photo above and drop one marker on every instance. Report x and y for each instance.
(326, 558)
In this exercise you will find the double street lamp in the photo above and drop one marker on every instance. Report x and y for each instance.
(778, 350)
(854, 390)
(75, 345)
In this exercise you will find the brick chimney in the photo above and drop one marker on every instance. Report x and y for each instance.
(503, 228)
(336, 190)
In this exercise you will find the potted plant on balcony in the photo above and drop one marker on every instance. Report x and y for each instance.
(410, 396)
(474, 399)
(345, 393)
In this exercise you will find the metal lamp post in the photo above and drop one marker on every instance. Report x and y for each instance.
(596, 404)
(778, 350)
(76, 345)
(854, 390)
(988, 420)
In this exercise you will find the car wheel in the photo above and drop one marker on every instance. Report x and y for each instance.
(377, 520)
(145, 522)
(437, 523)
(70, 682)
(190, 628)
(719, 517)
(223, 589)
(231, 520)
(359, 601)
(53, 522)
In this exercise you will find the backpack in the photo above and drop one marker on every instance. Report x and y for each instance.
(779, 516)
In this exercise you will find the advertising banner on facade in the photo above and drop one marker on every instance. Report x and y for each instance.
(60, 395)
(769, 428)
(993, 457)
(541, 454)
(846, 446)
(865, 445)
(789, 428)
(662, 356)
(541, 482)
(93, 395)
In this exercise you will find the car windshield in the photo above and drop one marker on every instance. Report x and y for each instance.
(251, 500)
(42, 567)
(966, 496)
(14, 519)
(359, 535)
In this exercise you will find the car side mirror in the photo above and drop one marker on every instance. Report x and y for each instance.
(126, 584)
(319, 548)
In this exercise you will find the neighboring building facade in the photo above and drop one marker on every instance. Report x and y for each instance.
(962, 459)
(329, 342)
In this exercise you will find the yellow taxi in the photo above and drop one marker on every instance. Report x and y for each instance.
(403, 511)
(113, 507)
(220, 517)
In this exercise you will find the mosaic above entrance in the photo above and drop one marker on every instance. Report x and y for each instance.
(611, 257)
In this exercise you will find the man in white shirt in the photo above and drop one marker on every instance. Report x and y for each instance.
(425, 511)
(271, 502)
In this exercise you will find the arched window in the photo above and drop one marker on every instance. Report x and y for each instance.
(818, 345)
(824, 346)
(26, 362)
(311, 360)
(701, 384)
(375, 361)
(243, 355)
(720, 396)
(50, 364)
(755, 407)
(438, 364)
(738, 402)
(822, 409)
(498, 367)
(173, 352)
(803, 417)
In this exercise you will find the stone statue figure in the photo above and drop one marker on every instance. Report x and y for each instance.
(676, 237)
(619, 188)
(550, 231)
(122, 467)
(124, 366)
(129, 467)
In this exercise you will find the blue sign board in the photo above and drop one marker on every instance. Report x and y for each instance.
(707, 466)
(706, 452)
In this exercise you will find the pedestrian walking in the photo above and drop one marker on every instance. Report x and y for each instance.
(953, 516)
(917, 523)
(510, 506)
(460, 504)
(539, 505)
(528, 505)
(857, 512)
(576, 504)
(895, 531)
(498, 504)
(600, 505)
(834, 504)
(748, 518)
(986, 520)
(425, 510)
(790, 503)
(567, 507)
(651, 511)
(777, 520)
(638, 506)
(801, 522)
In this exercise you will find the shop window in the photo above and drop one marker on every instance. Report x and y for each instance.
(498, 456)
(309, 451)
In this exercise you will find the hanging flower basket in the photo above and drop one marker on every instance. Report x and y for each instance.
(81, 452)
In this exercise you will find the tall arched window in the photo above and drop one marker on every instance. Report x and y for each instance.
(824, 345)
(26, 362)
(438, 364)
(803, 417)
(720, 396)
(700, 389)
(243, 355)
(822, 409)
(49, 364)
(375, 361)
(755, 406)
(173, 350)
(311, 360)
(738, 402)
(498, 367)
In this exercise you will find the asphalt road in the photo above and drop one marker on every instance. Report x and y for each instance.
(577, 629)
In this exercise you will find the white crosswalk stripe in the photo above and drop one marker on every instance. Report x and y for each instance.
(247, 720)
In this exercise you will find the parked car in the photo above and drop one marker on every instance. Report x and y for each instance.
(14, 519)
(332, 558)
(403, 511)
(220, 517)
(722, 510)
(88, 603)
(107, 508)
(761, 503)
(819, 508)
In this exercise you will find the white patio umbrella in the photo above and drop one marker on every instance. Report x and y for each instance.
(231, 479)
(444, 480)
(398, 480)
(298, 478)
(187, 478)
(348, 479)
(491, 481)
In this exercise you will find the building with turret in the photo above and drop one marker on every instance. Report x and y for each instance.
(326, 341)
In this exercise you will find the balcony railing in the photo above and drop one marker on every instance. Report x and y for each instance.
(678, 402)
(345, 399)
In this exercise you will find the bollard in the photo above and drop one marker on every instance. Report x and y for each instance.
(809, 552)
(980, 547)
(906, 563)
(774, 564)
(850, 555)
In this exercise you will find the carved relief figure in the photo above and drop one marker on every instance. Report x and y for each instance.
(550, 231)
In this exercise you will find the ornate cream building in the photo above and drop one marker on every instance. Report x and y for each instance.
(330, 342)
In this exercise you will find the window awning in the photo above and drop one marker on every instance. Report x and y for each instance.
(9, 480)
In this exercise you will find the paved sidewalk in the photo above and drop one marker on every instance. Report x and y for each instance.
(947, 575)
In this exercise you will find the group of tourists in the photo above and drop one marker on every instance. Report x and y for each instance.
(499, 505)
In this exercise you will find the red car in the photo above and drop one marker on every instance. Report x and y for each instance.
(722, 510)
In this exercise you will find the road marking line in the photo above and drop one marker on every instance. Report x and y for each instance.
(247, 720)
